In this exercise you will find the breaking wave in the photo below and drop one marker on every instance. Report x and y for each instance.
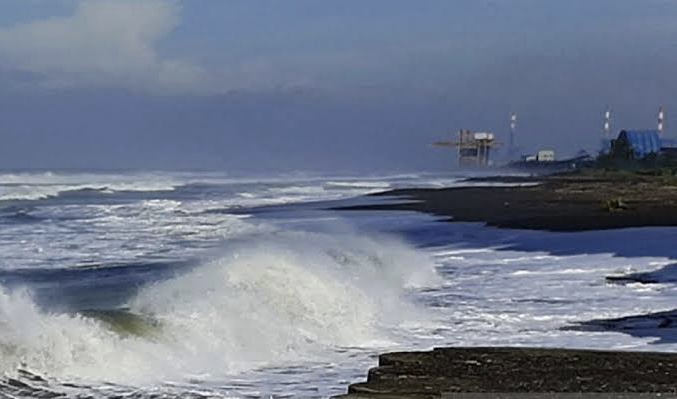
(38, 192)
(285, 298)
(382, 185)
(36, 186)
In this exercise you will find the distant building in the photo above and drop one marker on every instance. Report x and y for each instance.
(541, 156)
(545, 156)
(636, 144)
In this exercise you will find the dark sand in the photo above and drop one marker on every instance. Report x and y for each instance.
(517, 370)
(573, 202)
(660, 326)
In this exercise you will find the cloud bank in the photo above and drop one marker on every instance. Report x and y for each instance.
(104, 43)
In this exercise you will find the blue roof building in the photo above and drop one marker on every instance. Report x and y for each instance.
(641, 142)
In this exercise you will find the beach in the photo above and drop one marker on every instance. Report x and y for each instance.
(565, 202)
(495, 371)
(207, 285)
(570, 202)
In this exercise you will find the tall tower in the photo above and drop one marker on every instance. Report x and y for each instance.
(513, 127)
(606, 135)
(660, 120)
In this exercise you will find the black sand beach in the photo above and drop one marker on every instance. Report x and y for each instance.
(517, 370)
(569, 202)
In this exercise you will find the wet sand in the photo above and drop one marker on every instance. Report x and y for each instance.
(572, 202)
(593, 200)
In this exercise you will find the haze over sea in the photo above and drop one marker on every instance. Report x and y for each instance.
(208, 285)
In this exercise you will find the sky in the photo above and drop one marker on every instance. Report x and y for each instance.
(321, 86)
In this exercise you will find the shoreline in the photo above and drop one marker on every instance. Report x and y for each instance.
(566, 202)
(496, 371)
(583, 201)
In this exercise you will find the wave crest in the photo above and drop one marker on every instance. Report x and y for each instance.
(288, 297)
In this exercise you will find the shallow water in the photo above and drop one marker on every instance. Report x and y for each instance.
(207, 285)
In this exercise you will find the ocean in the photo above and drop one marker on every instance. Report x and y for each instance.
(205, 284)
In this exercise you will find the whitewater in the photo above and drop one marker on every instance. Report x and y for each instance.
(203, 284)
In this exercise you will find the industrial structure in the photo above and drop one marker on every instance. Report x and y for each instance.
(513, 126)
(541, 156)
(474, 148)
(607, 122)
(660, 120)
(637, 145)
(605, 143)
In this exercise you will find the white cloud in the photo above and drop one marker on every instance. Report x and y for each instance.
(104, 43)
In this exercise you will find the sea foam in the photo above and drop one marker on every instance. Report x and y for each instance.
(272, 301)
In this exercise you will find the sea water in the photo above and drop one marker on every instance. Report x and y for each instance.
(158, 284)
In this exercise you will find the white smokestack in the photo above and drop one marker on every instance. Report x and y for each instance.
(660, 119)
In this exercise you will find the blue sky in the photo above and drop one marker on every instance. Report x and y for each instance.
(320, 85)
